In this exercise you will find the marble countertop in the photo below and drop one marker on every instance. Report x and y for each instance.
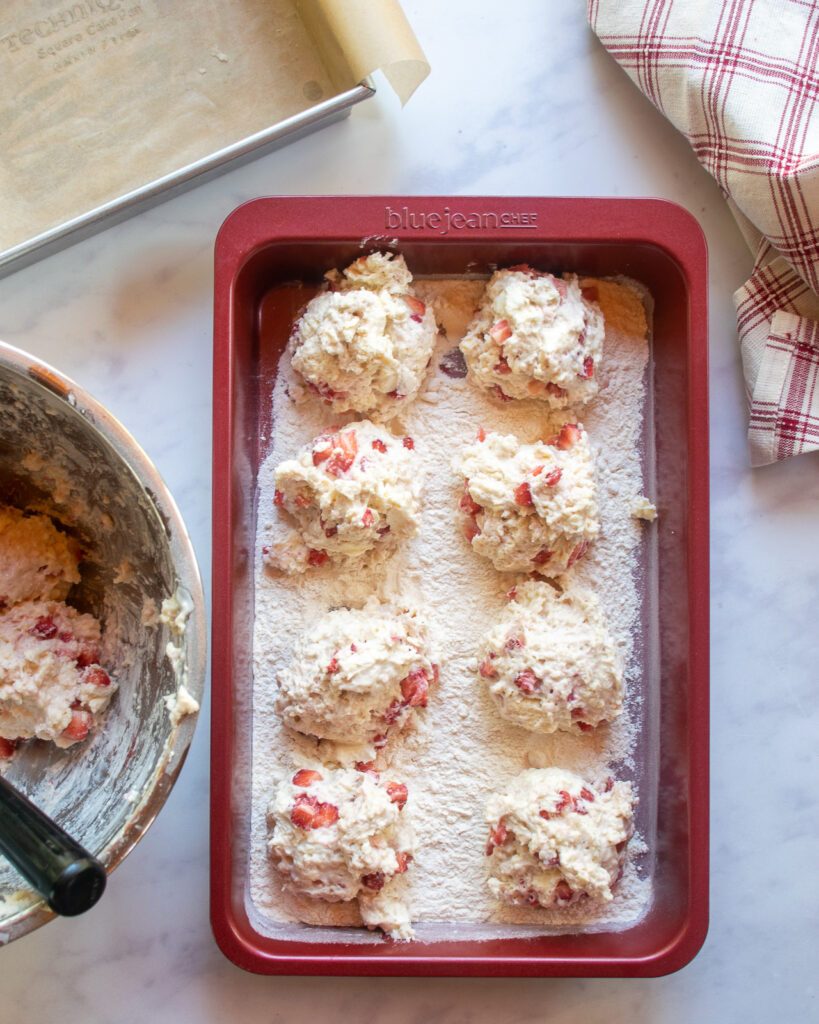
(521, 101)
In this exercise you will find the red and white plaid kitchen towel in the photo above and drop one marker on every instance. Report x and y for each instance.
(740, 79)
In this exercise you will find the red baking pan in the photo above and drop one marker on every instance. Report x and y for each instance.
(267, 243)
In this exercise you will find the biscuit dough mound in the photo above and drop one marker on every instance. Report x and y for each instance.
(52, 685)
(530, 507)
(339, 835)
(364, 345)
(350, 491)
(555, 839)
(357, 674)
(536, 336)
(550, 663)
(37, 561)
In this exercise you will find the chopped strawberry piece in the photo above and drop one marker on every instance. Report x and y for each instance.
(368, 518)
(408, 443)
(379, 741)
(278, 499)
(88, 656)
(562, 891)
(468, 504)
(481, 435)
(265, 549)
(305, 777)
(542, 557)
(537, 470)
(415, 688)
(375, 881)
(393, 711)
(330, 531)
(364, 766)
(397, 792)
(7, 748)
(45, 628)
(379, 445)
(498, 392)
(523, 495)
(576, 712)
(383, 530)
(552, 478)
(344, 449)
(78, 727)
(404, 861)
(501, 366)
(590, 293)
(565, 801)
(587, 795)
(322, 454)
(65, 637)
(556, 390)
(561, 286)
(316, 557)
(325, 392)
(500, 833)
(417, 308)
(486, 668)
(308, 812)
(497, 837)
(303, 811)
(588, 368)
(515, 641)
(96, 676)
(584, 727)
(512, 594)
(453, 364)
(302, 501)
(471, 529)
(608, 785)
(500, 331)
(353, 648)
(569, 435)
(527, 681)
(577, 553)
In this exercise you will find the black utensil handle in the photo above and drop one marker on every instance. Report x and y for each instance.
(61, 870)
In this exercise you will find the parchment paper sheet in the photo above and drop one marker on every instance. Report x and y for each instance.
(102, 96)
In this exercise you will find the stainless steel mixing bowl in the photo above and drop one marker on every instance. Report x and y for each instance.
(63, 454)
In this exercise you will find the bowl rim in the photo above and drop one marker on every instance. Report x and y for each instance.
(175, 749)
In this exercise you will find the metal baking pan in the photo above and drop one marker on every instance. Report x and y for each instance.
(269, 242)
(89, 222)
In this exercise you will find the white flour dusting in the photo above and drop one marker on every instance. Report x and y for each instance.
(463, 750)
